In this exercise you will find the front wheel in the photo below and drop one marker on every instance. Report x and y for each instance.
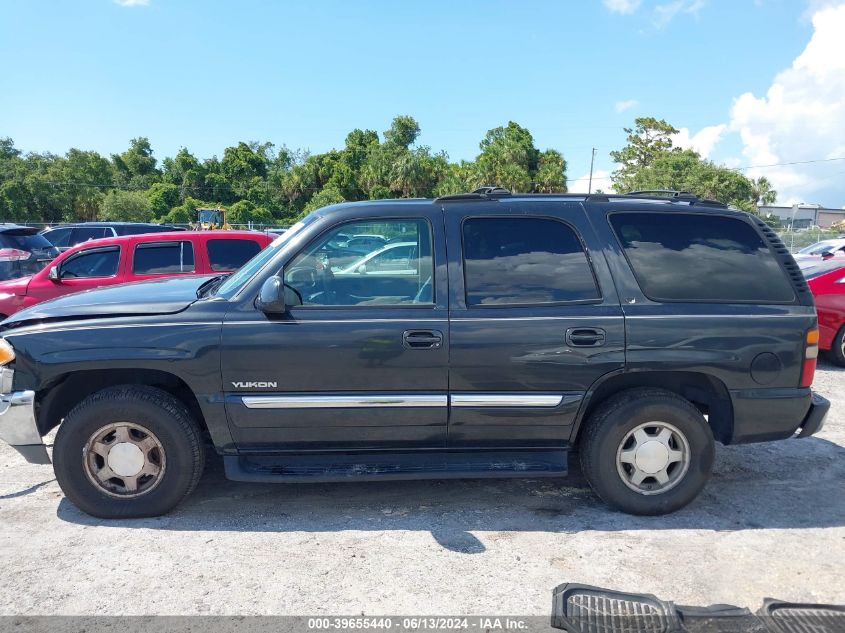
(647, 451)
(128, 452)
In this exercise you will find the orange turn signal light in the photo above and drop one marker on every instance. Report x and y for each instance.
(813, 337)
(7, 353)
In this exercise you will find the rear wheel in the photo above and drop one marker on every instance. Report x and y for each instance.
(837, 348)
(647, 451)
(128, 451)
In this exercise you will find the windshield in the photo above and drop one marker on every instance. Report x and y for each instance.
(818, 248)
(236, 280)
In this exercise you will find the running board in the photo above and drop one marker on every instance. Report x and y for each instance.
(395, 466)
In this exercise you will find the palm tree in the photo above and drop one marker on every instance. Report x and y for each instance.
(762, 192)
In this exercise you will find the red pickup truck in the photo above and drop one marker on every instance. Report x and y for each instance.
(117, 260)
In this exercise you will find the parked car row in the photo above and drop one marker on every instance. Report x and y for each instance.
(63, 237)
(116, 260)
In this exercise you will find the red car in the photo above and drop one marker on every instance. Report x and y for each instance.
(827, 281)
(117, 260)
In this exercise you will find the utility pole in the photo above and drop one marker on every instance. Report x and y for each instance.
(592, 160)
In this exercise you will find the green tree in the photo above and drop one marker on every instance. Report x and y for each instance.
(762, 192)
(126, 206)
(508, 158)
(136, 168)
(87, 176)
(403, 131)
(551, 173)
(648, 139)
(162, 197)
(686, 170)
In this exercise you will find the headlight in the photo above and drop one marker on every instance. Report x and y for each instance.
(7, 352)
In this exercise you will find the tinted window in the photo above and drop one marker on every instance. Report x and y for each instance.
(139, 229)
(23, 253)
(58, 237)
(524, 261)
(226, 255)
(162, 258)
(83, 234)
(687, 257)
(336, 269)
(96, 262)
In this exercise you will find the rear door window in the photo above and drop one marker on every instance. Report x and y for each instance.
(228, 255)
(698, 257)
(163, 258)
(84, 233)
(94, 262)
(58, 237)
(525, 261)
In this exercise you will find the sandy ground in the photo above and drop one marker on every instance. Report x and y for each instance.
(770, 523)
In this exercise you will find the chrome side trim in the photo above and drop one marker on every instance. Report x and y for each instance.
(506, 400)
(344, 402)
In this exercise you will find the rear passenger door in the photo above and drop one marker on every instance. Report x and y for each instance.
(534, 321)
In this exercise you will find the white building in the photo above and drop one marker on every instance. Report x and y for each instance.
(803, 216)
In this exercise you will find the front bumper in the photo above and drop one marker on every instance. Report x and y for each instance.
(17, 422)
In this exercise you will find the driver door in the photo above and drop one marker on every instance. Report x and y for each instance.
(362, 362)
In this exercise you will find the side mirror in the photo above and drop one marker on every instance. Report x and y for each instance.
(54, 275)
(271, 297)
(362, 269)
(827, 255)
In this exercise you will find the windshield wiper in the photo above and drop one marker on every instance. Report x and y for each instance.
(208, 288)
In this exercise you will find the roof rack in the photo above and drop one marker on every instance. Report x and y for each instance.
(680, 196)
(482, 193)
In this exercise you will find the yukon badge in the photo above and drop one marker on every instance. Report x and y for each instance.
(254, 385)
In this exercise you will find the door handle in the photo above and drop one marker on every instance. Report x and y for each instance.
(585, 337)
(422, 339)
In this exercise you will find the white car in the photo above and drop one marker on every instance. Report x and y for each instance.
(399, 258)
(835, 247)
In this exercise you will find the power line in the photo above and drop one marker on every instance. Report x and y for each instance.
(794, 162)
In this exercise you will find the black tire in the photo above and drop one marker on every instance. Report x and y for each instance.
(837, 348)
(615, 419)
(156, 410)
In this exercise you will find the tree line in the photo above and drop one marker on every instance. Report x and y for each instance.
(269, 185)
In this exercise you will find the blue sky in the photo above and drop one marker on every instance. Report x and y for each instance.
(205, 74)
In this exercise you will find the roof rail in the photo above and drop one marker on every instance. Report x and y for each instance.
(482, 193)
(671, 194)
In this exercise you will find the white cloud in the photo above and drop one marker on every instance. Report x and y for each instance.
(801, 117)
(702, 141)
(665, 13)
(622, 7)
(133, 3)
(601, 180)
(621, 106)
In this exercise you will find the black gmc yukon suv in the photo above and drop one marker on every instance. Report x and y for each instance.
(478, 335)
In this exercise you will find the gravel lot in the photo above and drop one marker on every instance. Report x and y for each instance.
(771, 523)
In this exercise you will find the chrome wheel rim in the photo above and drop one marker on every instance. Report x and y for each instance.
(652, 458)
(124, 460)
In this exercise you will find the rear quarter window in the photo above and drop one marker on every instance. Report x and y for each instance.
(231, 254)
(698, 257)
(163, 258)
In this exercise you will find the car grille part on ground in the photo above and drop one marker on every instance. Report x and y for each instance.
(584, 609)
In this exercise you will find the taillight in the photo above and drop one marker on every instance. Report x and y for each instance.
(811, 354)
(13, 255)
